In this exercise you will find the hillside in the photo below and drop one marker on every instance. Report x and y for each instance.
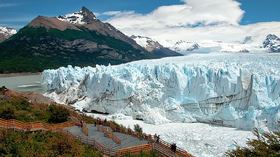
(18, 106)
(29, 127)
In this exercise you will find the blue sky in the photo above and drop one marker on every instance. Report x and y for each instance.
(17, 13)
(260, 11)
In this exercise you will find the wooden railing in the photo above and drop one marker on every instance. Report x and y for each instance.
(165, 148)
(109, 133)
(135, 150)
(92, 142)
(36, 126)
(162, 144)
(33, 126)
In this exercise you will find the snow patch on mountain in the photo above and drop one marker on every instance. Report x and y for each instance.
(6, 32)
(74, 18)
(84, 16)
(237, 90)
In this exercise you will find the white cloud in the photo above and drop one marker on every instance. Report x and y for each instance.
(215, 20)
(116, 14)
(193, 12)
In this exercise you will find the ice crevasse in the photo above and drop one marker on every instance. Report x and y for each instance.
(229, 91)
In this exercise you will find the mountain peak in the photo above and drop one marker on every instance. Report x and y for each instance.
(272, 37)
(85, 10)
(84, 16)
(88, 16)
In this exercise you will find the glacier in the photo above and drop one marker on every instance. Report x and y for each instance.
(228, 89)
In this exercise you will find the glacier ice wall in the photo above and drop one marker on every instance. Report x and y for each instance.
(240, 94)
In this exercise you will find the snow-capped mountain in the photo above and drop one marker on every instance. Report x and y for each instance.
(146, 42)
(84, 16)
(185, 46)
(6, 32)
(272, 43)
(75, 39)
(61, 42)
(252, 42)
(153, 46)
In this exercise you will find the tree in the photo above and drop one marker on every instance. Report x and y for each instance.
(138, 129)
(265, 145)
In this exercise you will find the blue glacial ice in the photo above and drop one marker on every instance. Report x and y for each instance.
(235, 90)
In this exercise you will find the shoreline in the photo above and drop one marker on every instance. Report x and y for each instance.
(19, 74)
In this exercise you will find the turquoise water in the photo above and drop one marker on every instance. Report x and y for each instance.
(23, 83)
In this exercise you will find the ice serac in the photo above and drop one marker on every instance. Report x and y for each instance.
(237, 90)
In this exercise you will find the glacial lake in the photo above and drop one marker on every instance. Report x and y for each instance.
(22, 82)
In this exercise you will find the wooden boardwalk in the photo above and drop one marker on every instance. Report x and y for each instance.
(103, 138)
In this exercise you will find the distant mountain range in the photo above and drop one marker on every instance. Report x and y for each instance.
(270, 43)
(74, 39)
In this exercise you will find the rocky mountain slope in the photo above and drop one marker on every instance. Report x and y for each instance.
(74, 39)
(154, 47)
(6, 32)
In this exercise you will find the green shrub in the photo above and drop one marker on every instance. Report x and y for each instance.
(7, 113)
(58, 114)
(20, 109)
(22, 104)
(265, 145)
